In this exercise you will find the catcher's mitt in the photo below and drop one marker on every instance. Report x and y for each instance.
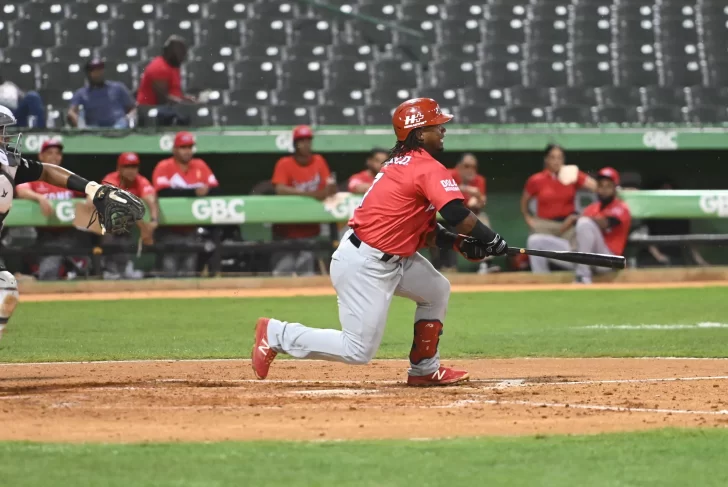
(116, 209)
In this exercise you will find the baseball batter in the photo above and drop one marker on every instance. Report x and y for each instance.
(116, 209)
(377, 258)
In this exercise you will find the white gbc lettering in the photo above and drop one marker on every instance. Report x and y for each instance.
(219, 210)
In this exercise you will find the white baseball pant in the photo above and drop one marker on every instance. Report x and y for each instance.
(365, 286)
(589, 238)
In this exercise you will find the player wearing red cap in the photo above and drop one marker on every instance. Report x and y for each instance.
(50, 266)
(303, 174)
(360, 182)
(602, 228)
(127, 177)
(377, 258)
(182, 175)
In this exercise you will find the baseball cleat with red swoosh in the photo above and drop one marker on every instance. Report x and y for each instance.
(444, 376)
(262, 356)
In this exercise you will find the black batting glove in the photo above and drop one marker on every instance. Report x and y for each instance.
(497, 246)
(471, 248)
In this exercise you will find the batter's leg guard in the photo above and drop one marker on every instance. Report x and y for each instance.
(8, 298)
(427, 337)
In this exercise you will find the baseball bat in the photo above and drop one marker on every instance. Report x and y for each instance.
(597, 260)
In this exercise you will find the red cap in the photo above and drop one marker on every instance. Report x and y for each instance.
(416, 113)
(609, 173)
(128, 159)
(302, 132)
(51, 143)
(183, 139)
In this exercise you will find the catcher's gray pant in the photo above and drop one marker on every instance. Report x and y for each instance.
(8, 298)
(365, 286)
(589, 238)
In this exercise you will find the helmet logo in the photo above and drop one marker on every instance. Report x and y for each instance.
(413, 120)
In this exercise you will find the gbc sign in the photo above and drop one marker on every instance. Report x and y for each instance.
(715, 204)
(65, 211)
(33, 143)
(219, 210)
(660, 140)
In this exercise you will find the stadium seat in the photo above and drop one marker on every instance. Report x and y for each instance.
(386, 96)
(424, 10)
(201, 75)
(219, 32)
(307, 52)
(396, 74)
(4, 38)
(545, 73)
(120, 53)
(297, 96)
(249, 97)
(618, 96)
(58, 99)
(351, 74)
(343, 95)
(662, 95)
(81, 33)
(44, 11)
(415, 52)
(290, 115)
(616, 115)
(491, 97)
(454, 74)
(34, 33)
(478, 114)
(464, 11)
(10, 11)
(99, 10)
(304, 73)
(128, 32)
(457, 52)
(335, 115)
(62, 75)
(23, 54)
(444, 95)
(271, 33)
(313, 31)
(524, 115)
(248, 116)
(705, 96)
(22, 74)
(377, 115)
(574, 95)
(466, 32)
(571, 114)
(662, 114)
(529, 96)
(135, 11)
(123, 72)
(182, 10)
(202, 116)
(276, 10)
(370, 34)
(352, 51)
(164, 28)
(226, 10)
(712, 114)
(255, 74)
(592, 72)
(500, 73)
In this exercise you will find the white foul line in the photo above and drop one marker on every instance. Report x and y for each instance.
(596, 407)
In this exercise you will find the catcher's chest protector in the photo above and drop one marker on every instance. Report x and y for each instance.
(7, 186)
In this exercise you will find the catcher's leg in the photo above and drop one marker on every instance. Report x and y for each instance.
(423, 284)
(364, 287)
(8, 298)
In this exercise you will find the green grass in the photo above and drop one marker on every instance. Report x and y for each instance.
(655, 458)
(511, 324)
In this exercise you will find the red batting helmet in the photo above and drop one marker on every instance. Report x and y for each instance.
(609, 173)
(302, 132)
(416, 113)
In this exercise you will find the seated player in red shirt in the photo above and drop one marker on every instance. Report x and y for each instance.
(554, 199)
(182, 175)
(603, 228)
(127, 177)
(50, 266)
(378, 259)
(301, 174)
(360, 182)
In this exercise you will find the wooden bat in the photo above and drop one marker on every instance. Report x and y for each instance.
(597, 260)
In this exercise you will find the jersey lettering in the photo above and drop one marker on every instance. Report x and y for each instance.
(376, 178)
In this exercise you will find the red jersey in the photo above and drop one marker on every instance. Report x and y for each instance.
(141, 186)
(158, 70)
(311, 177)
(555, 200)
(400, 208)
(616, 236)
(478, 181)
(51, 192)
(169, 174)
(364, 177)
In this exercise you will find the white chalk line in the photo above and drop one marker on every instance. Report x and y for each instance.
(247, 360)
(707, 325)
(596, 407)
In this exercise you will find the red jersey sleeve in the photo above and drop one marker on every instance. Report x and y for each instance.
(324, 171)
(281, 174)
(620, 212)
(160, 178)
(533, 184)
(436, 184)
(26, 186)
(480, 184)
(580, 179)
(208, 177)
(145, 187)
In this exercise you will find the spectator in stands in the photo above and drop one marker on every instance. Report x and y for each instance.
(663, 254)
(27, 107)
(127, 177)
(182, 175)
(554, 190)
(50, 267)
(161, 83)
(301, 174)
(603, 228)
(105, 103)
(360, 182)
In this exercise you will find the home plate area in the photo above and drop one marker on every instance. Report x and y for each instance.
(307, 400)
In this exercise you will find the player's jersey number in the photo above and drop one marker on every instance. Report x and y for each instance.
(376, 178)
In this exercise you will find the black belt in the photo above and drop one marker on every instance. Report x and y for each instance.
(357, 243)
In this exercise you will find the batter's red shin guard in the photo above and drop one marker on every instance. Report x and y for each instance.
(427, 337)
